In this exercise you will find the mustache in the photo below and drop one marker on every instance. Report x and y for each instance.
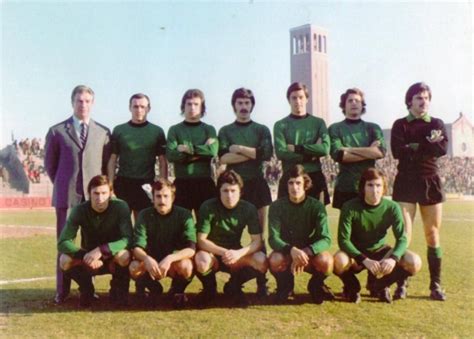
(243, 110)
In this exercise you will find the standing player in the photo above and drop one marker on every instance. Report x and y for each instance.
(76, 150)
(165, 242)
(301, 138)
(299, 236)
(243, 146)
(106, 232)
(191, 145)
(221, 223)
(355, 145)
(417, 141)
(363, 225)
(135, 145)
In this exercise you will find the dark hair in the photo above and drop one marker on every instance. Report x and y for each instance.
(81, 89)
(194, 93)
(98, 180)
(414, 89)
(297, 86)
(369, 174)
(243, 93)
(139, 96)
(161, 183)
(298, 171)
(345, 95)
(229, 177)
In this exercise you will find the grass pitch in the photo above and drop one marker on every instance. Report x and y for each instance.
(27, 310)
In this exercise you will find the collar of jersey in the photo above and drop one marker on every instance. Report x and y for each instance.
(298, 117)
(197, 123)
(352, 121)
(131, 123)
(238, 123)
(425, 117)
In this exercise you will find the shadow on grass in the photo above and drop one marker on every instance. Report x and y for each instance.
(32, 301)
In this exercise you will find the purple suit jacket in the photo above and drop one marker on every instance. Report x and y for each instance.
(69, 166)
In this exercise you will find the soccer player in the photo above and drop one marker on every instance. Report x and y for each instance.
(300, 239)
(106, 232)
(417, 141)
(136, 144)
(190, 146)
(355, 145)
(243, 147)
(165, 242)
(363, 225)
(220, 226)
(301, 138)
(76, 150)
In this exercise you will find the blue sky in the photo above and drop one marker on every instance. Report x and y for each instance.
(163, 48)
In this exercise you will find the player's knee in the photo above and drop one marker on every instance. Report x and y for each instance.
(184, 268)
(65, 262)
(411, 262)
(277, 262)
(323, 262)
(432, 236)
(202, 261)
(122, 258)
(260, 262)
(342, 263)
(136, 269)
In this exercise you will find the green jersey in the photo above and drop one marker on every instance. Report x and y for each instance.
(137, 146)
(160, 235)
(310, 137)
(110, 230)
(353, 133)
(249, 134)
(195, 136)
(225, 226)
(301, 225)
(363, 228)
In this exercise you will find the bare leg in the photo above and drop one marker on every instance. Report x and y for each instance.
(431, 216)
(408, 211)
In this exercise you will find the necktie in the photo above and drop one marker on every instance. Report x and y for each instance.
(83, 135)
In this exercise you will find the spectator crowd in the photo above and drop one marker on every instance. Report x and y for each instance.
(31, 155)
(457, 173)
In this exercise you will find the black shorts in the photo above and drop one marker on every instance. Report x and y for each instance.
(378, 255)
(192, 192)
(339, 198)
(424, 191)
(319, 190)
(222, 267)
(257, 192)
(131, 191)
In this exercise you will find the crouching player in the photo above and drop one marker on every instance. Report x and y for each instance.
(300, 239)
(363, 226)
(220, 226)
(165, 242)
(106, 232)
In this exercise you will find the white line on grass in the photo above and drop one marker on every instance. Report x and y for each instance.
(29, 226)
(18, 281)
(444, 219)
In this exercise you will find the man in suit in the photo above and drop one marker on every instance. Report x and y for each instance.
(76, 150)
